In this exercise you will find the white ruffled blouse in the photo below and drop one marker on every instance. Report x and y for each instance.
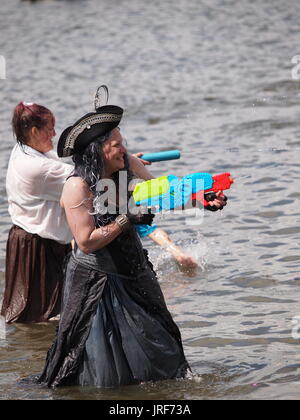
(34, 184)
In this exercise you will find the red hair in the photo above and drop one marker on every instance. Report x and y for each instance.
(26, 116)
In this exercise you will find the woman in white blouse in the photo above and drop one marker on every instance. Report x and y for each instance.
(40, 238)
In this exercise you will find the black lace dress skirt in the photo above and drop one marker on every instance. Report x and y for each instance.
(115, 328)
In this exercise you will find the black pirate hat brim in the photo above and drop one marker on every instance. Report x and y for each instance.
(76, 138)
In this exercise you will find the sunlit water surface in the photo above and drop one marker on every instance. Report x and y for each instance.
(213, 79)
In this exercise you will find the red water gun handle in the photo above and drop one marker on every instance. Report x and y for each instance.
(221, 182)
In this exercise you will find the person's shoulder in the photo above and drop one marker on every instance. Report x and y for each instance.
(76, 185)
(75, 182)
(75, 190)
(30, 167)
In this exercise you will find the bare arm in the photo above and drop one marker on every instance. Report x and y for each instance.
(161, 238)
(77, 202)
(139, 168)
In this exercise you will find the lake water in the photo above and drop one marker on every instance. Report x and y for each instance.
(216, 80)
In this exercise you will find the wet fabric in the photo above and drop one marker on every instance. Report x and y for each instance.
(115, 328)
(33, 277)
(34, 183)
(127, 344)
(81, 297)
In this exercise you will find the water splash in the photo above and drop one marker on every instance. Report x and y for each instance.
(165, 264)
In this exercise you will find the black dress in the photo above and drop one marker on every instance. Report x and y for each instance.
(115, 328)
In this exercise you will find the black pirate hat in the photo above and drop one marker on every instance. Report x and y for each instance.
(76, 138)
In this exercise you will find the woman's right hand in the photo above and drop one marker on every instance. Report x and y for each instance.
(141, 218)
(216, 201)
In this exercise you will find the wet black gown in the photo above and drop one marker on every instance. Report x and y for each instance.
(115, 328)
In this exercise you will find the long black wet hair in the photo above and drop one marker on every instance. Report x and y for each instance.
(89, 165)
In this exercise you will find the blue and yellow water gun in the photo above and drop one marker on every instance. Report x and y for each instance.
(170, 192)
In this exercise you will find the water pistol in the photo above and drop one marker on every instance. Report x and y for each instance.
(170, 192)
(161, 156)
(221, 182)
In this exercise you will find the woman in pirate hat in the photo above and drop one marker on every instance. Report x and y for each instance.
(115, 328)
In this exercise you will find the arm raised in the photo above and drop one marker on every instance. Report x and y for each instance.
(77, 201)
(137, 166)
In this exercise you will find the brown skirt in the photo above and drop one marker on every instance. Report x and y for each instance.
(33, 277)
